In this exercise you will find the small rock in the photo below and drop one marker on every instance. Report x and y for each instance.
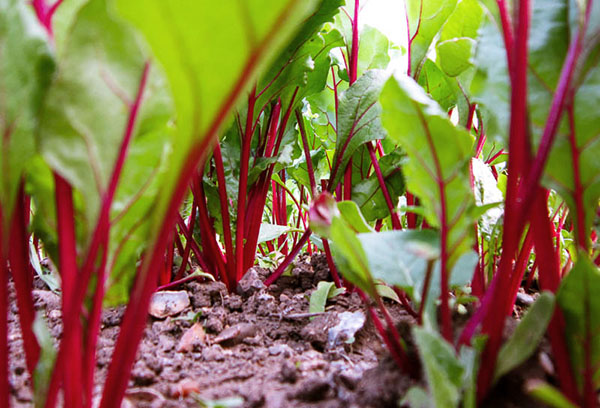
(235, 334)
(184, 388)
(313, 389)
(192, 337)
(168, 303)
(524, 299)
(289, 372)
(250, 283)
(282, 349)
(546, 363)
(144, 394)
(213, 353)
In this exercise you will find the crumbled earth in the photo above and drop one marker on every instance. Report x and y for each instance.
(260, 345)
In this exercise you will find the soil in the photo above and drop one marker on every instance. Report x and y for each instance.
(260, 345)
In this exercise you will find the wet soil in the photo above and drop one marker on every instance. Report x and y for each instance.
(260, 345)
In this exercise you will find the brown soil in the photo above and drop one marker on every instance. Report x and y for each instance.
(259, 346)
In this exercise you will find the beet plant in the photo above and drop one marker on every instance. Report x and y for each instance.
(144, 140)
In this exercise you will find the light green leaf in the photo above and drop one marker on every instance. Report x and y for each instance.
(269, 232)
(526, 337)
(385, 291)
(26, 68)
(189, 38)
(83, 123)
(437, 85)
(437, 170)
(324, 291)
(426, 18)
(548, 394)
(442, 368)
(457, 38)
(352, 215)
(399, 258)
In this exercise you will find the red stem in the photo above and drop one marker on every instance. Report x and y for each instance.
(386, 194)
(289, 258)
(224, 203)
(444, 230)
(243, 187)
(331, 264)
(72, 303)
(354, 52)
(309, 164)
(188, 245)
(22, 276)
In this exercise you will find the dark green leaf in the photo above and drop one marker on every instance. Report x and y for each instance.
(578, 298)
(527, 335)
(358, 118)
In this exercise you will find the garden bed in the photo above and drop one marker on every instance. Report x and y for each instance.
(262, 347)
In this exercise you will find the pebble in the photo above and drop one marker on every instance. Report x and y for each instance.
(184, 388)
(194, 336)
(235, 334)
(168, 303)
(524, 299)
(278, 349)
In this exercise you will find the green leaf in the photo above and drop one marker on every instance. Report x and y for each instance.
(367, 194)
(83, 122)
(373, 50)
(457, 38)
(490, 87)
(437, 84)
(437, 170)
(324, 291)
(399, 258)
(579, 301)
(358, 118)
(561, 169)
(188, 39)
(548, 394)
(349, 255)
(45, 365)
(269, 232)
(305, 64)
(526, 337)
(385, 291)
(26, 68)
(442, 368)
(352, 215)
(228, 402)
(426, 18)
(417, 397)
